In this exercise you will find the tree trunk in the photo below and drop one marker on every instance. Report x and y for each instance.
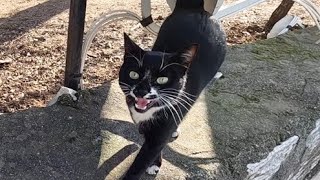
(281, 11)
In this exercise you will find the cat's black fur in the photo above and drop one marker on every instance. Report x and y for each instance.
(193, 45)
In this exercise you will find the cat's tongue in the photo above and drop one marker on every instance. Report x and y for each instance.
(142, 103)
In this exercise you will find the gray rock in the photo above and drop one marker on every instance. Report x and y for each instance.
(2, 163)
(266, 168)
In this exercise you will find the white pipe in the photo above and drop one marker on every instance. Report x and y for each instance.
(236, 7)
(313, 11)
(311, 4)
(100, 23)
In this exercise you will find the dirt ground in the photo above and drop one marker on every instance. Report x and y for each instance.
(33, 36)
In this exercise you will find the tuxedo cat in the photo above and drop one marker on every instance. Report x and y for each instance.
(161, 85)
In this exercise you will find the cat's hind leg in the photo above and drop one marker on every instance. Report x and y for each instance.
(155, 166)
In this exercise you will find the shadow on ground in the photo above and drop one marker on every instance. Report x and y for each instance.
(21, 22)
(57, 142)
(73, 140)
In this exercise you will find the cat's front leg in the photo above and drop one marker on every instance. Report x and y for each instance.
(148, 154)
(154, 168)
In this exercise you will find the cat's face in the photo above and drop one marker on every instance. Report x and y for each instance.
(152, 80)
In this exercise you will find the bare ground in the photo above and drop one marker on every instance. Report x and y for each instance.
(33, 37)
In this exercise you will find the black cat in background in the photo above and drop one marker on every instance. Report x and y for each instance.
(161, 85)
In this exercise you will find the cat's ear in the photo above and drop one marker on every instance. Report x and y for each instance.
(131, 47)
(188, 54)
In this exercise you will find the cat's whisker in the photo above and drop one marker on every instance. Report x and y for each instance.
(164, 110)
(140, 57)
(162, 60)
(179, 94)
(138, 61)
(124, 84)
(188, 99)
(169, 110)
(180, 91)
(126, 93)
(121, 82)
(165, 114)
(152, 121)
(166, 104)
(188, 94)
(177, 97)
(173, 108)
(125, 88)
(177, 101)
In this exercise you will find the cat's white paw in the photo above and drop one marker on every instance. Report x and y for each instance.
(153, 170)
(218, 75)
(176, 133)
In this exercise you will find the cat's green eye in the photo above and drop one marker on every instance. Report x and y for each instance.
(134, 75)
(162, 80)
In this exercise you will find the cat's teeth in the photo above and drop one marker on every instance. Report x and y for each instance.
(141, 108)
(144, 106)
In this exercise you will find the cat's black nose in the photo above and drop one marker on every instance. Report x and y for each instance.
(142, 89)
(152, 96)
(140, 92)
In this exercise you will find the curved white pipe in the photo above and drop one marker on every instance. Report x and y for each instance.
(311, 4)
(100, 23)
(313, 11)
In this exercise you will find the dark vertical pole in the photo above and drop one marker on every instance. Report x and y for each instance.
(281, 11)
(74, 44)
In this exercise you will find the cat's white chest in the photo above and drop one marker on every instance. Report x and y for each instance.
(145, 116)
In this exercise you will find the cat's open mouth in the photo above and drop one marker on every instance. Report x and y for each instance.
(142, 104)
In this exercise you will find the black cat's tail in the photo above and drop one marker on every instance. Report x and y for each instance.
(189, 4)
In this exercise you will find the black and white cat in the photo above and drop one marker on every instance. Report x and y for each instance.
(161, 85)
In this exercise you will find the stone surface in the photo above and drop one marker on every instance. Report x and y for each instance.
(269, 94)
(316, 177)
(310, 156)
(266, 168)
